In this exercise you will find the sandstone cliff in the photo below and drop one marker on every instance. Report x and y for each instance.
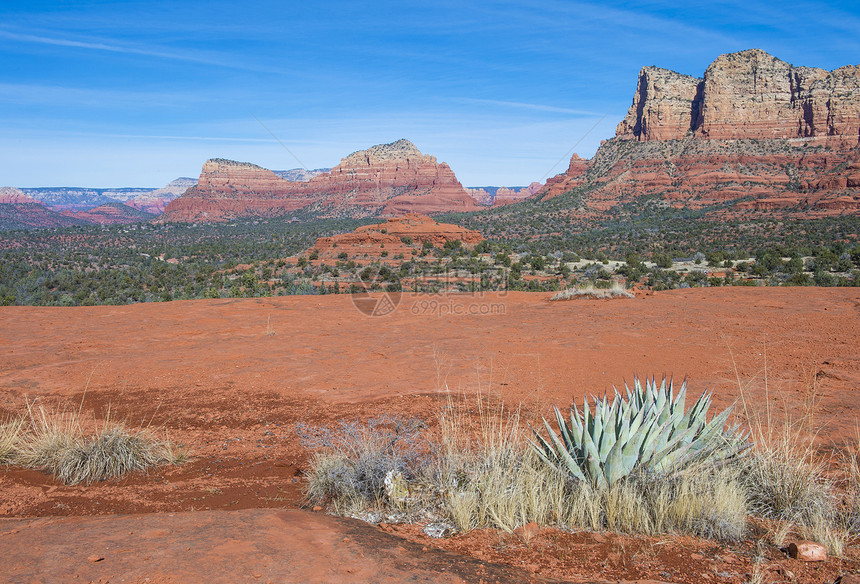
(506, 196)
(300, 174)
(754, 133)
(746, 95)
(227, 189)
(388, 179)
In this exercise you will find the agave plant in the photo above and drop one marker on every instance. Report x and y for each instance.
(650, 430)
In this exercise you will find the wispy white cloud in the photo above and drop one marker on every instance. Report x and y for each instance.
(37, 94)
(213, 59)
(190, 138)
(29, 38)
(523, 105)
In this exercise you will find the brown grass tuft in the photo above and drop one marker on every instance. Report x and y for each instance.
(56, 442)
(10, 432)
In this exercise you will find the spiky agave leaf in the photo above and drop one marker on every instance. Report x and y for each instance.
(650, 429)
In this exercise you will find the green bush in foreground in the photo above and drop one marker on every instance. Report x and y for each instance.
(650, 431)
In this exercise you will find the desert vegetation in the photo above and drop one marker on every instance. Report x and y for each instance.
(527, 248)
(638, 463)
(62, 443)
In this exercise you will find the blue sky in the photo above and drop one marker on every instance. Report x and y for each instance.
(98, 93)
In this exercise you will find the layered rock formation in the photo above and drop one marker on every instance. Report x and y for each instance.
(155, 201)
(754, 134)
(300, 174)
(496, 196)
(746, 95)
(481, 195)
(404, 235)
(665, 106)
(506, 196)
(227, 189)
(11, 195)
(570, 179)
(82, 198)
(20, 211)
(389, 179)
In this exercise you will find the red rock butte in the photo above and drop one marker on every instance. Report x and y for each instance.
(405, 234)
(754, 132)
(385, 180)
(13, 196)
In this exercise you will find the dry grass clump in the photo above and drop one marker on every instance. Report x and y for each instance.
(785, 483)
(56, 442)
(10, 430)
(850, 460)
(616, 291)
(112, 452)
(786, 480)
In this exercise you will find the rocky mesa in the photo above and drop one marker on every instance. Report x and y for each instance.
(753, 134)
(385, 180)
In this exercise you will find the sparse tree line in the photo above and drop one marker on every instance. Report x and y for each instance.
(129, 264)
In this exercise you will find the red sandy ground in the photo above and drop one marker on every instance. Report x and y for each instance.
(230, 378)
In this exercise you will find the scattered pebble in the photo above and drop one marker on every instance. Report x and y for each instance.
(807, 551)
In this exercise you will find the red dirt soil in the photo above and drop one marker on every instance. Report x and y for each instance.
(229, 379)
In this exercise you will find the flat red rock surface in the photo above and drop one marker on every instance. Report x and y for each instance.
(229, 379)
